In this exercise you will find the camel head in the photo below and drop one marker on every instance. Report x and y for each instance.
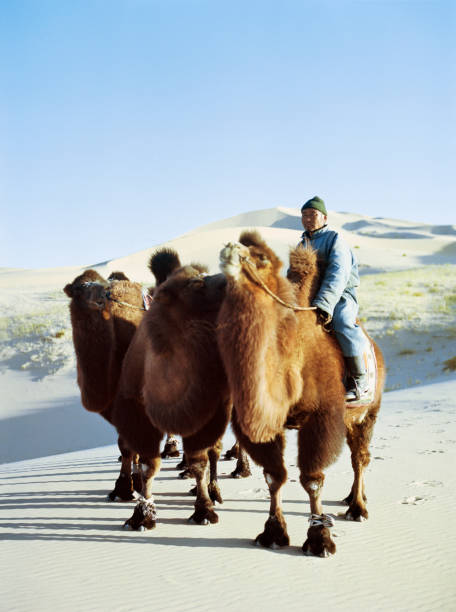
(251, 252)
(88, 291)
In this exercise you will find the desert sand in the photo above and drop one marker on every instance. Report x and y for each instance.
(62, 543)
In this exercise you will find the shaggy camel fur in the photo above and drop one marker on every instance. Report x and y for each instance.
(103, 326)
(173, 380)
(284, 370)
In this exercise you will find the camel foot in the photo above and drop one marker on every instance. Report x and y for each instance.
(204, 514)
(144, 517)
(356, 512)
(137, 482)
(123, 489)
(214, 492)
(319, 542)
(171, 449)
(186, 474)
(274, 534)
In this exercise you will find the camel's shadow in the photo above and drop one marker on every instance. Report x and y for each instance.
(123, 537)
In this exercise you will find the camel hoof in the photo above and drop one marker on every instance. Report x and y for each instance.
(123, 489)
(144, 516)
(202, 522)
(358, 519)
(324, 554)
(356, 514)
(113, 497)
(204, 514)
(275, 533)
(319, 542)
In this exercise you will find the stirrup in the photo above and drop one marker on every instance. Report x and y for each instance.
(356, 392)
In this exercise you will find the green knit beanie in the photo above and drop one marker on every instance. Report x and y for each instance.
(316, 203)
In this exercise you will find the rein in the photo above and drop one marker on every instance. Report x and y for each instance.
(266, 288)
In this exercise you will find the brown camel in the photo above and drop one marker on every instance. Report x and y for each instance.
(104, 317)
(285, 370)
(173, 380)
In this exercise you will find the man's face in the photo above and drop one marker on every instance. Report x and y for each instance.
(312, 219)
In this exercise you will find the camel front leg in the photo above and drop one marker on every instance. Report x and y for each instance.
(145, 514)
(319, 441)
(318, 540)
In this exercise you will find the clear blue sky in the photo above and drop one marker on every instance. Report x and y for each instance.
(125, 123)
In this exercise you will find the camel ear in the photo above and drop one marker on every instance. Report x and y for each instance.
(68, 290)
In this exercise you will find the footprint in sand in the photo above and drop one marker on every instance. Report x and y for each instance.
(425, 483)
(413, 500)
(430, 452)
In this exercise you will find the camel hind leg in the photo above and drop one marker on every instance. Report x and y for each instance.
(242, 469)
(214, 455)
(137, 474)
(204, 506)
(123, 488)
(358, 438)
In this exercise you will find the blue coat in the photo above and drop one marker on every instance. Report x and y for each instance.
(338, 268)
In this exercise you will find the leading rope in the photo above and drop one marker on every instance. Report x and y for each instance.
(266, 288)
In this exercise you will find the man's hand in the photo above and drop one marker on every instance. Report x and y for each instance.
(324, 319)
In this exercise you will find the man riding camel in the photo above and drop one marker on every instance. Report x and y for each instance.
(336, 300)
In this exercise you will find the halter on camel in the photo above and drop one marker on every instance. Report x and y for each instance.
(109, 297)
(258, 280)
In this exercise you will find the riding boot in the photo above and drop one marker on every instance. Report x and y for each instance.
(356, 383)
